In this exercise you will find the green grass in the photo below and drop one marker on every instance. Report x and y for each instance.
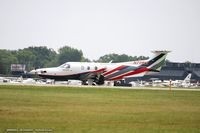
(99, 110)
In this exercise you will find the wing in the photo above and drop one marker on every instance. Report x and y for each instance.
(122, 72)
(92, 74)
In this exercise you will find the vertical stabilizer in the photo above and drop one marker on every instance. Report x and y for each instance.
(156, 63)
(188, 77)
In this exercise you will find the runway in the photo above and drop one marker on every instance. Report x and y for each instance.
(108, 87)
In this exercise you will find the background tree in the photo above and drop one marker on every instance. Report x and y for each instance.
(43, 56)
(39, 57)
(119, 58)
(26, 57)
(67, 53)
(6, 59)
(85, 59)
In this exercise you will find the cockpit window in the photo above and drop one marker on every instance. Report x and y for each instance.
(65, 65)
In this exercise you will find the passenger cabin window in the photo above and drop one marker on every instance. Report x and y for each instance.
(88, 68)
(96, 68)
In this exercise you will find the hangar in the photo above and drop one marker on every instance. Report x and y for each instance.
(174, 71)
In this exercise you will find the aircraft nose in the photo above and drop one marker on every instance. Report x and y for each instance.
(33, 72)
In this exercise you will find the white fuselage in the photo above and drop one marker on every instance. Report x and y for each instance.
(72, 68)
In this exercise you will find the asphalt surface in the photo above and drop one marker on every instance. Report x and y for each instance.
(110, 87)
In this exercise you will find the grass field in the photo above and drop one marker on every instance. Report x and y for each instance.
(98, 110)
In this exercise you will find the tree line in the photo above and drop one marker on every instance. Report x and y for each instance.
(39, 57)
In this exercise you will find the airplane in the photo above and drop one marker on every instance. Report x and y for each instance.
(175, 83)
(97, 73)
(186, 81)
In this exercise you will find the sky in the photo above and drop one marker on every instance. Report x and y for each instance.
(99, 27)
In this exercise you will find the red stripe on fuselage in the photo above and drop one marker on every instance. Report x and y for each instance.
(130, 73)
(113, 70)
(99, 71)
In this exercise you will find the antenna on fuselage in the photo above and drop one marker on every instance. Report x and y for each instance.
(110, 61)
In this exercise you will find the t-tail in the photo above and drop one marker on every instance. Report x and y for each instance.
(188, 77)
(155, 64)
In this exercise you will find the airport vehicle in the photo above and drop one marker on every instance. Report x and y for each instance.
(97, 73)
